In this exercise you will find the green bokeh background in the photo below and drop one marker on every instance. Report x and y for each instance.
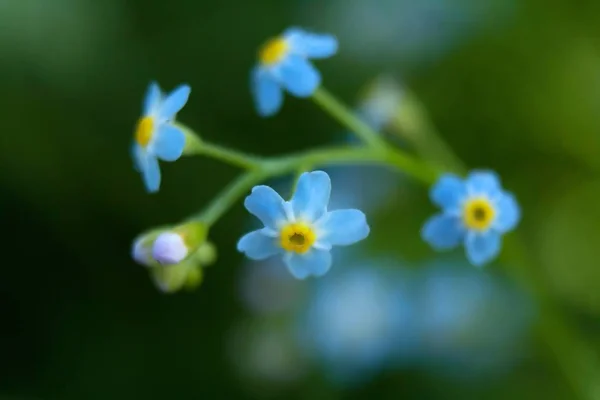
(82, 321)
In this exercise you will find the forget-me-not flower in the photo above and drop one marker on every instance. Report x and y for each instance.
(283, 64)
(302, 230)
(475, 211)
(358, 321)
(156, 137)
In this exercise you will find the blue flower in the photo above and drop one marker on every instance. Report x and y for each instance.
(283, 63)
(469, 323)
(358, 321)
(156, 137)
(476, 212)
(301, 230)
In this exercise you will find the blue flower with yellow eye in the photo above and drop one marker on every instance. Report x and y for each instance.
(475, 212)
(301, 230)
(283, 64)
(156, 137)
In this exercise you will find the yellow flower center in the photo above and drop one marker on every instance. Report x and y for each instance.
(297, 237)
(144, 131)
(273, 51)
(478, 214)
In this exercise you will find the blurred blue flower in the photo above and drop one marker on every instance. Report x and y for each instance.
(301, 230)
(156, 137)
(476, 212)
(268, 289)
(469, 323)
(358, 321)
(283, 63)
(412, 33)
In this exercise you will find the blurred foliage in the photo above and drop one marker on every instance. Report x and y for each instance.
(82, 321)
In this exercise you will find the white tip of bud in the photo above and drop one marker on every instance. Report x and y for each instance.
(169, 248)
(141, 253)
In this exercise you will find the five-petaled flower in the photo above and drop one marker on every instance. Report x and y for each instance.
(283, 64)
(301, 230)
(476, 212)
(155, 135)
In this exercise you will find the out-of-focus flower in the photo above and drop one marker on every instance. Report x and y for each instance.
(476, 212)
(413, 32)
(283, 64)
(156, 137)
(264, 352)
(268, 289)
(359, 321)
(470, 323)
(381, 102)
(302, 230)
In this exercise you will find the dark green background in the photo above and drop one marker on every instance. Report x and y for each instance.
(82, 321)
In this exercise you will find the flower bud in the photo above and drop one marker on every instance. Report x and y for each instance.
(174, 246)
(141, 251)
(206, 254)
(169, 248)
(194, 278)
(171, 278)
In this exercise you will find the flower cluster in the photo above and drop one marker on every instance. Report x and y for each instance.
(476, 212)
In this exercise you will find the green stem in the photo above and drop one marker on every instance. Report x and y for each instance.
(347, 118)
(196, 146)
(228, 156)
(274, 167)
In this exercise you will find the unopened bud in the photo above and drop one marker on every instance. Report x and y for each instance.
(194, 278)
(171, 278)
(141, 251)
(174, 246)
(169, 248)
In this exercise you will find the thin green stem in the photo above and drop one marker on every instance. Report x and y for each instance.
(347, 118)
(196, 146)
(229, 196)
(228, 156)
(273, 167)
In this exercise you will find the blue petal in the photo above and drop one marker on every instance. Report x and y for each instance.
(150, 173)
(482, 247)
(484, 182)
(298, 76)
(509, 213)
(152, 98)
(448, 192)
(310, 200)
(174, 102)
(311, 45)
(138, 154)
(343, 227)
(443, 232)
(258, 246)
(268, 96)
(267, 205)
(169, 143)
(314, 262)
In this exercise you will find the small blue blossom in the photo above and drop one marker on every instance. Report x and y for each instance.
(301, 230)
(358, 321)
(156, 137)
(475, 212)
(283, 64)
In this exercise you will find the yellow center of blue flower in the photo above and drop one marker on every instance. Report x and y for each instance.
(273, 51)
(478, 214)
(144, 131)
(297, 237)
